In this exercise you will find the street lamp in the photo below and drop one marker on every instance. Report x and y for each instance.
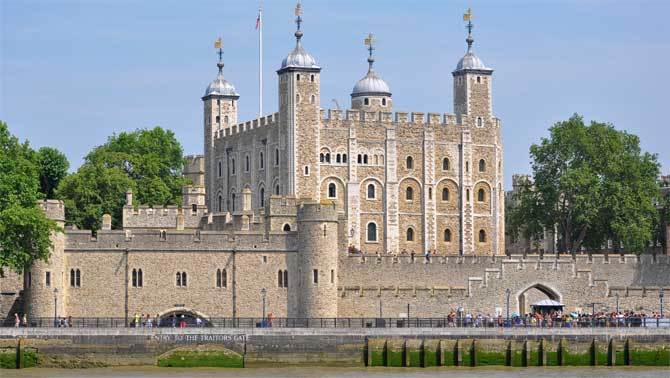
(507, 293)
(55, 307)
(660, 298)
(263, 293)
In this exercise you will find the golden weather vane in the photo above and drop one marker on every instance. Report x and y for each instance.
(467, 16)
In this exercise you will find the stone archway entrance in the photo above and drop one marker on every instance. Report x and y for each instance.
(535, 293)
(175, 316)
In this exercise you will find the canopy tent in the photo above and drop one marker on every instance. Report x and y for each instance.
(547, 305)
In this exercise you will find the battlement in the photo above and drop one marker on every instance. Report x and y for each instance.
(531, 260)
(161, 218)
(194, 164)
(265, 121)
(54, 209)
(325, 210)
(282, 206)
(332, 116)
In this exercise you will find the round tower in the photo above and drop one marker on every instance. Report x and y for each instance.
(44, 282)
(316, 279)
(371, 93)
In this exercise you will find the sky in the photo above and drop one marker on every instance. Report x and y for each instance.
(74, 72)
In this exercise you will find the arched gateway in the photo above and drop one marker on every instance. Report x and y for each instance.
(175, 315)
(533, 293)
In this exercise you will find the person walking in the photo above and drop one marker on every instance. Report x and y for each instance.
(17, 320)
(25, 320)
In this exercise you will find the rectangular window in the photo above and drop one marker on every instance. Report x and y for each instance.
(47, 280)
(265, 259)
(315, 277)
(332, 276)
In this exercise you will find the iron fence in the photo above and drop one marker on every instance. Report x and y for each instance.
(474, 322)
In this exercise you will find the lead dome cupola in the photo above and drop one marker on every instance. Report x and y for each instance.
(299, 57)
(220, 86)
(371, 84)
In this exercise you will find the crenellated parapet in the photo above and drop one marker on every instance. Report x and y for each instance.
(146, 217)
(271, 120)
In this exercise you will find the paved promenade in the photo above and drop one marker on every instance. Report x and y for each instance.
(370, 332)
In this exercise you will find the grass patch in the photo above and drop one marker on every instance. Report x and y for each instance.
(201, 358)
(8, 359)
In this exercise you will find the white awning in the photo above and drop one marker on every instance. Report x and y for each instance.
(548, 303)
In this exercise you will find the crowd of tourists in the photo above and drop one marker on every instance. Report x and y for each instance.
(559, 319)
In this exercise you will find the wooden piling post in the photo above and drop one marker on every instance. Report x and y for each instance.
(508, 354)
(473, 353)
(525, 354)
(611, 353)
(626, 353)
(593, 354)
(19, 354)
(560, 353)
(458, 357)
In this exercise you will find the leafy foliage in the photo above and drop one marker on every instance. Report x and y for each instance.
(24, 228)
(593, 183)
(53, 166)
(147, 161)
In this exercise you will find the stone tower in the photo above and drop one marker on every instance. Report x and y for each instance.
(371, 93)
(194, 170)
(220, 113)
(480, 168)
(316, 281)
(46, 282)
(299, 105)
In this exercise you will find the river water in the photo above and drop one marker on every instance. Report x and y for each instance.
(381, 372)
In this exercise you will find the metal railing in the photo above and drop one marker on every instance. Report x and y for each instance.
(445, 322)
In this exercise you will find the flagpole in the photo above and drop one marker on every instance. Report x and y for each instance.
(260, 61)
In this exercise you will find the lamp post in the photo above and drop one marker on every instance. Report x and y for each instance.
(263, 293)
(660, 299)
(55, 307)
(507, 293)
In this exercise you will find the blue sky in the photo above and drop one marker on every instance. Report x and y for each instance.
(73, 72)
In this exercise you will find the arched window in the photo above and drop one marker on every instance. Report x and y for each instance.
(371, 191)
(467, 195)
(376, 159)
(338, 158)
(194, 207)
(262, 197)
(285, 278)
(219, 203)
(332, 190)
(72, 277)
(482, 165)
(218, 119)
(344, 158)
(360, 159)
(232, 165)
(261, 160)
(445, 164)
(138, 278)
(307, 170)
(218, 278)
(246, 163)
(479, 79)
(365, 158)
(322, 158)
(224, 278)
(384, 101)
(280, 278)
(178, 279)
(327, 157)
(232, 200)
(183, 278)
(447, 235)
(277, 189)
(445, 194)
(371, 235)
(311, 78)
(481, 195)
(482, 236)
(287, 227)
(366, 101)
(409, 193)
(313, 99)
(297, 77)
(297, 98)
(276, 156)
(77, 279)
(409, 162)
(480, 122)
(430, 193)
(134, 278)
(220, 168)
(410, 234)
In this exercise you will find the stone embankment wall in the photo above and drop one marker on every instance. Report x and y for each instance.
(349, 347)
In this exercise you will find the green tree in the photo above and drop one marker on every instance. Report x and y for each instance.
(149, 162)
(53, 166)
(594, 184)
(24, 228)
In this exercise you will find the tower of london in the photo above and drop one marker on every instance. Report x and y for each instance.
(325, 213)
